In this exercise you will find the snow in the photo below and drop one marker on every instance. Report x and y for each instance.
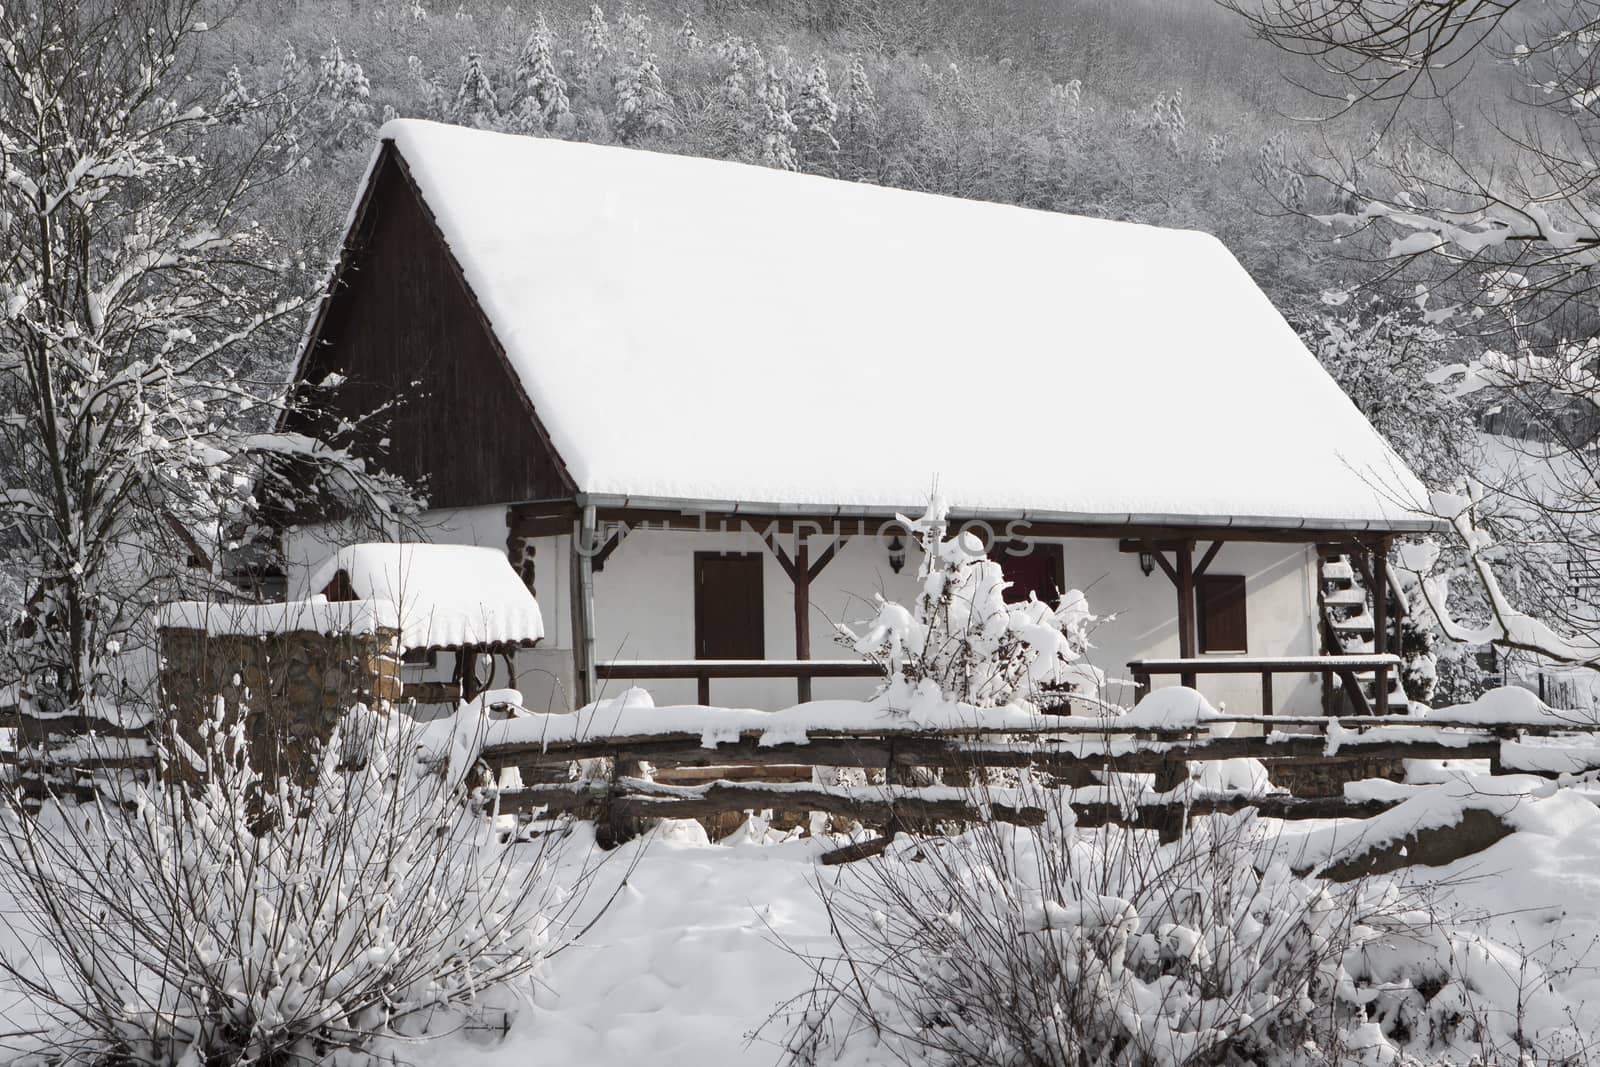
(632, 713)
(446, 596)
(694, 954)
(631, 327)
(1507, 706)
(315, 615)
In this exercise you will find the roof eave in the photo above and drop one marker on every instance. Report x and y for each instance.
(1422, 524)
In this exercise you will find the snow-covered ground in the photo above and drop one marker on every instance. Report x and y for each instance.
(685, 964)
(690, 959)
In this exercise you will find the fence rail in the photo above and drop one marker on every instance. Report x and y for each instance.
(1066, 752)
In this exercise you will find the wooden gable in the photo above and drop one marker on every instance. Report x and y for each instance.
(402, 327)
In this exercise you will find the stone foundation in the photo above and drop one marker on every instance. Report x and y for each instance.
(295, 686)
(1328, 779)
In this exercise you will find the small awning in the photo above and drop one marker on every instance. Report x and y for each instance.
(445, 596)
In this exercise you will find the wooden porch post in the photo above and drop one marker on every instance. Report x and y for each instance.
(1186, 634)
(1380, 622)
(582, 596)
(802, 610)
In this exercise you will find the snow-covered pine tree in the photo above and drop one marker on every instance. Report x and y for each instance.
(235, 99)
(643, 106)
(475, 103)
(688, 35)
(815, 113)
(341, 112)
(539, 97)
(633, 33)
(141, 308)
(777, 125)
(291, 68)
(858, 106)
(596, 42)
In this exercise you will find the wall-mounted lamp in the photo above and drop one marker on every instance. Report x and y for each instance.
(897, 554)
(1147, 563)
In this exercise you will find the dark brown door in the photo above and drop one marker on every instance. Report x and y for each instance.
(728, 620)
(1039, 572)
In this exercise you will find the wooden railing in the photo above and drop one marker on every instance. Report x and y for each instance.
(1344, 666)
(704, 670)
(1063, 753)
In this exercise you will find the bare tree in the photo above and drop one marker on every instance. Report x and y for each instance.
(1485, 215)
(137, 300)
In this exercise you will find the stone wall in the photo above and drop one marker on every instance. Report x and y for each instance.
(296, 686)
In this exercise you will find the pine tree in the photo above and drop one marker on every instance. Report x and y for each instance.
(291, 67)
(688, 36)
(777, 125)
(475, 97)
(342, 112)
(596, 41)
(633, 31)
(236, 98)
(539, 97)
(643, 106)
(858, 106)
(815, 112)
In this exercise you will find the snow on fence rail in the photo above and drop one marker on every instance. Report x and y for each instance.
(1514, 733)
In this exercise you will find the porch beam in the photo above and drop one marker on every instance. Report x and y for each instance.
(827, 557)
(1186, 631)
(788, 565)
(800, 574)
(1380, 623)
(582, 597)
(851, 524)
(597, 562)
(1205, 560)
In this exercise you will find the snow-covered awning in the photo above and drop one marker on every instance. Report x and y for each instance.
(695, 330)
(444, 596)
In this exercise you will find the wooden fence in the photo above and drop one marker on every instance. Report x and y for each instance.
(1063, 754)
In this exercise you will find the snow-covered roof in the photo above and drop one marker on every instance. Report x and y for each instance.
(315, 614)
(447, 596)
(696, 330)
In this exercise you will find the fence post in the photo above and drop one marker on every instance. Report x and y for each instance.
(1173, 775)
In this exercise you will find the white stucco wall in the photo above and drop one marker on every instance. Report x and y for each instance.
(644, 609)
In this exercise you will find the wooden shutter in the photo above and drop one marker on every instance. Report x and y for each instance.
(1220, 607)
(729, 622)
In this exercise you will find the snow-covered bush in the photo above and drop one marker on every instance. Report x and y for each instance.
(236, 920)
(961, 640)
(1055, 946)
(1060, 946)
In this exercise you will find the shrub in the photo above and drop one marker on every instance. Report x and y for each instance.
(239, 920)
(962, 641)
(1005, 946)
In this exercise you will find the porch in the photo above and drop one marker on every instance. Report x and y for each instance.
(1196, 629)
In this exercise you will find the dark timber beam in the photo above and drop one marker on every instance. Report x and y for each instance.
(1186, 631)
(1380, 622)
(800, 575)
(1205, 560)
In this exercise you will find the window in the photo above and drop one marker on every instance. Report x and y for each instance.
(1032, 567)
(1219, 608)
(728, 619)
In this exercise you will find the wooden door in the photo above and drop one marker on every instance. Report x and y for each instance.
(728, 618)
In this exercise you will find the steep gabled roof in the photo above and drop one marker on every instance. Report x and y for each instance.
(700, 331)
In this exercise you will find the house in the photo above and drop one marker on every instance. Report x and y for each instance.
(688, 398)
